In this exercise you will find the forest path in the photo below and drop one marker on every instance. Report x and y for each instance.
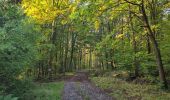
(79, 88)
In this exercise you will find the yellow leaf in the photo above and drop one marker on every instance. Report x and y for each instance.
(119, 36)
(97, 24)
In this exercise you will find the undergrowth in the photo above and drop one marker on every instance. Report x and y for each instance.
(123, 90)
(45, 91)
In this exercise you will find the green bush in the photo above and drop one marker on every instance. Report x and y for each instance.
(44, 91)
(17, 48)
(8, 97)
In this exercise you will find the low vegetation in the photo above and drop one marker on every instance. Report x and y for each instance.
(45, 91)
(123, 90)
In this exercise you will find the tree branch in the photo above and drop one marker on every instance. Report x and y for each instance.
(132, 3)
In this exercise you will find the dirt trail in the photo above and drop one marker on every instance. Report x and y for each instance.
(80, 88)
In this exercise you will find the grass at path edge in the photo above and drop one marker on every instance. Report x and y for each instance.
(45, 91)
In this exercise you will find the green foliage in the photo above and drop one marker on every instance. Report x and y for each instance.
(45, 91)
(49, 37)
(123, 90)
(18, 49)
(8, 97)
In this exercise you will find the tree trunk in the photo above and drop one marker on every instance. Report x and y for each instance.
(156, 47)
(52, 40)
(74, 36)
(135, 61)
(90, 59)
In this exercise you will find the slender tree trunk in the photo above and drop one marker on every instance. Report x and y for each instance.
(106, 56)
(156, 47)
(80, 58)
(90, 59)
(74, 36)
(102, 64)
(135, 61)
(134, 43)
(66, 53)
(148, 45)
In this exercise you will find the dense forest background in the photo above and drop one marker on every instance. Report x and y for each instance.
(44, 39)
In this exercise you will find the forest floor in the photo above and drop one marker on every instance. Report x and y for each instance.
(79, 87)
(82, 85)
